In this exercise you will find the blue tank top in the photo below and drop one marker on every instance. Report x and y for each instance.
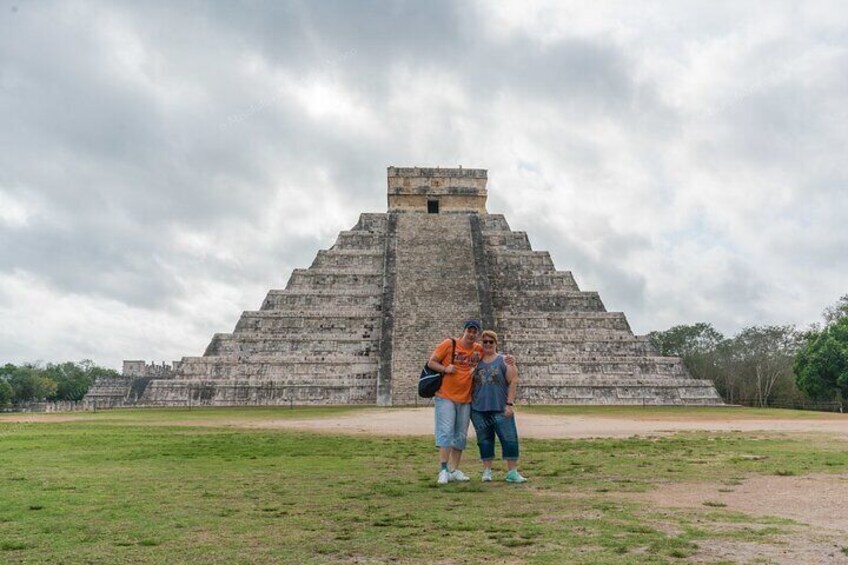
(490, 387)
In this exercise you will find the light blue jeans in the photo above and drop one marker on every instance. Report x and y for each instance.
(451, 423)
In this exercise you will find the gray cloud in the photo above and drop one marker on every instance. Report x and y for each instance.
(171, 162)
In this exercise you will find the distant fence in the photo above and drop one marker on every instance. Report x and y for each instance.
(830, 406)
(58, 406)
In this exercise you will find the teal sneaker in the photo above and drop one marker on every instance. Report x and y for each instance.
(515, 477)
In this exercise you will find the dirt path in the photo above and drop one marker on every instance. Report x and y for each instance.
(419, 421)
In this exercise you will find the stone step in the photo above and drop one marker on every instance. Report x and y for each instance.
(368, 261)
(298, 357)
(508, 240)
(341, 313)
(231, 392)
(371, 222)
(520, 259)
(298, 323)
(300, 300)
(613, 380)
(518, 323)
(547, 300)
(564, 349)
(510, 281)
(109, 388)
(621, 395)
(296, 365)
(266, 369)
(329, 344)
(363, 334)
(315, 279)
(494, 223)
(596, 368)
(359, 240)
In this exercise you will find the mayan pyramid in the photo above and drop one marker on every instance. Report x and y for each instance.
(357, 326)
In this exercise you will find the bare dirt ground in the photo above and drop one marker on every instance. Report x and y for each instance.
(419, 421)
(816, 503)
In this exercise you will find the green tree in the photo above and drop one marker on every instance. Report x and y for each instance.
(821, 367)
(6, 392)
(836, 312)
(759, 360)
(30, 383)
(60, 381)
(697, 345)
(72, 379)
(684, 340)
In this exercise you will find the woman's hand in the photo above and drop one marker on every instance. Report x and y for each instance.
(509, 412)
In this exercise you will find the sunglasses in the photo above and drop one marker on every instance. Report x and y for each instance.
(489, 341)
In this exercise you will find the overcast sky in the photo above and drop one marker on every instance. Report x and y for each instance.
(164, 164)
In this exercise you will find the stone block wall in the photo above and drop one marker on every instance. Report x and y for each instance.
(314, 342)
(570, 349)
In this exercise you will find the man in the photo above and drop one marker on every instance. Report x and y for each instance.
(453, 401)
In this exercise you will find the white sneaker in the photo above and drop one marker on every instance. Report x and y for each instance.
(487, 475)
(457, 475)
(444, 477)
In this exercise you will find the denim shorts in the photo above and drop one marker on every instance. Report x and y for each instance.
(487, 425)
(451, 423)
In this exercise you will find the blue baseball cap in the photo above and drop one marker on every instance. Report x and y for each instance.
(473, 324)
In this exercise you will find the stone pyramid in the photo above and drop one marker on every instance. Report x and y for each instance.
(357, 326)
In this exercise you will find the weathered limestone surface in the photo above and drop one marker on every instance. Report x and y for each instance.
(315, 342)
(357, 326)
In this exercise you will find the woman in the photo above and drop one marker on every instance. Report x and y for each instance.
(492, 409)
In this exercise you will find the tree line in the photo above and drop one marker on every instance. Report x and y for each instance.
(32, 382)
(768, 365)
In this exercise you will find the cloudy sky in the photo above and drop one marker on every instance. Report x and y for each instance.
(163, 164)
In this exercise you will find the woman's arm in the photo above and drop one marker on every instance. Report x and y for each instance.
(512, 380)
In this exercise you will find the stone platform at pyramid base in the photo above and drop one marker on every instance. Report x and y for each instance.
(254, 393)
(580, 391)
(659, 393)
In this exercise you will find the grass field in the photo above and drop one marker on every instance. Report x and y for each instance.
(113, 488)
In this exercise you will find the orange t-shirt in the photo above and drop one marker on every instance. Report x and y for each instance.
(457, 386)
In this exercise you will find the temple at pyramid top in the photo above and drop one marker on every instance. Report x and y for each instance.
(437, 190)
(357, 325)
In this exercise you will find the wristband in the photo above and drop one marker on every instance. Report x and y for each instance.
(510, 404)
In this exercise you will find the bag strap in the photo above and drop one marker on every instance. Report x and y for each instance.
(453, 349)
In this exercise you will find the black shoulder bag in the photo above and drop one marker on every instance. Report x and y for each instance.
(430, 381)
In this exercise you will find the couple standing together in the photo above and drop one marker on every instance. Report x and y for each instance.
(479, 385)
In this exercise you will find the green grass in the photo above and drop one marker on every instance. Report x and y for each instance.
(113, 488)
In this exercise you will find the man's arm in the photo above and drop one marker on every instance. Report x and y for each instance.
(436, 359)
